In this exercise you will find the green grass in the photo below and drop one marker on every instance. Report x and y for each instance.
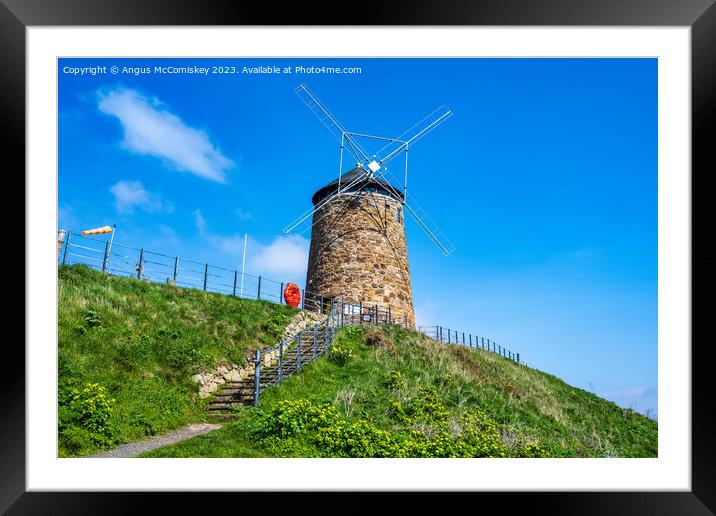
(523, 404)
(141, 342)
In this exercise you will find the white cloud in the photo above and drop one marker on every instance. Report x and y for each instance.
(285, 256)
(131, 194)
(149, 128)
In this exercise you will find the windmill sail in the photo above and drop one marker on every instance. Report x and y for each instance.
(329, 121)
(375, 165)
(429, 227)
(412, 135)
(316, 106)
(322, 203)
(421, 217)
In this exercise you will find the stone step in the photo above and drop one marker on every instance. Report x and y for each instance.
(241, 393)
(215, 406)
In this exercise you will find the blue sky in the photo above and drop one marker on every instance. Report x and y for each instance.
(545, 180)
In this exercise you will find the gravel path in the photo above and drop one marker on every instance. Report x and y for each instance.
(131, 449)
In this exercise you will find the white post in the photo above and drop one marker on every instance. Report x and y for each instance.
(243, 266)
(60, 241)
(111, 240)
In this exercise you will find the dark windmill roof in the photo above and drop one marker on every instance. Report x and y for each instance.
(380, 185)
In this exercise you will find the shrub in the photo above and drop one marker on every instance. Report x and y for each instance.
(291, 417)
(297, 423)
(394, 380)
(425, 408)
(340, 356)
(91, 319)
(275, 325)
(480, 433)
(354, 331)
(89, 410)
(376, 339)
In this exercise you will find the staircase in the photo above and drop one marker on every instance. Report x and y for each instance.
(273, 365)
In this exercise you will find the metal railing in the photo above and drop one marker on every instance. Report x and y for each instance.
(448, 336)
(292, 354)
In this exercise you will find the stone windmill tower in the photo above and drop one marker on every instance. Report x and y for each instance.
(358, 248)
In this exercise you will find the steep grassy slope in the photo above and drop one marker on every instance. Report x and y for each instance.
(392, 392)
(138, 343)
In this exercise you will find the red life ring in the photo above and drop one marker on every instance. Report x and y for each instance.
(292, 294)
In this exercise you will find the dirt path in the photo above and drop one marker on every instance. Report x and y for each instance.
(181, 434)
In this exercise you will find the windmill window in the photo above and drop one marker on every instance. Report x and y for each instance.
(399, 217)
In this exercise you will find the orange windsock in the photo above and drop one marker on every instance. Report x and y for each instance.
(292, 294)
(98, 231)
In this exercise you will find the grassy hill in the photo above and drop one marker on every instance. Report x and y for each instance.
(390, 392)
(127, 350)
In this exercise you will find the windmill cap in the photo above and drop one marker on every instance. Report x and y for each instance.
(380, 185)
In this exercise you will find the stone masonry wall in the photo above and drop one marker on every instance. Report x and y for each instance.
(359, 253)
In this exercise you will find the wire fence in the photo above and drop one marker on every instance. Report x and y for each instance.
(448, 336)
(134, 262)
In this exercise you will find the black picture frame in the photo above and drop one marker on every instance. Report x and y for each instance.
(700, 15)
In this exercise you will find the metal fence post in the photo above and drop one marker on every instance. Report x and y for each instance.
(360, 312)
(280, 362)
(176, 269)
(315, 342)
(236, 275)
(106, 256)
(463, 337)
(471, 340)
(206, 274)
(329, 332)
(390, 316)
(298, 352)
(518, 358)
(67, 247)
(280, 295)
(140, 265)
(258, 296)
(449, 332)
(257, 377)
